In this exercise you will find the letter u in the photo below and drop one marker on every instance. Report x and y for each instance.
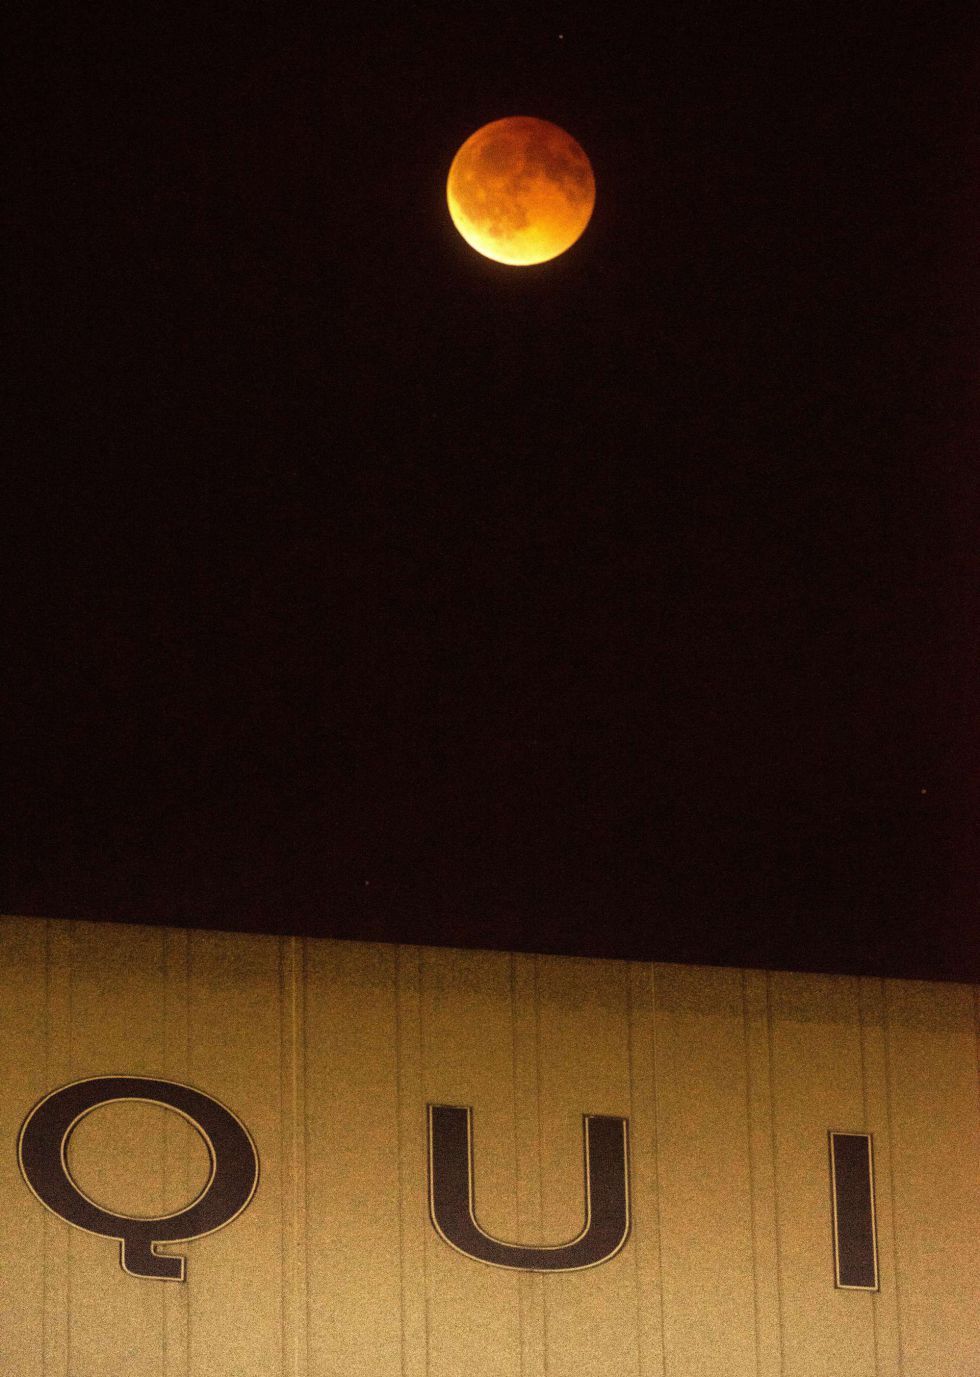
(607, 1196)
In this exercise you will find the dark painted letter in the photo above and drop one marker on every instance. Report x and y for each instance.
(43, 1152)
(607, 1207)
(852, 1185)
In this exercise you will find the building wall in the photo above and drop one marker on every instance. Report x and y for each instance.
(329, 1052)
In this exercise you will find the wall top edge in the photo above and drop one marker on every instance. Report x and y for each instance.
(812, 977)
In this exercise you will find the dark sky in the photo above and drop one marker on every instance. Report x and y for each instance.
(360, 586)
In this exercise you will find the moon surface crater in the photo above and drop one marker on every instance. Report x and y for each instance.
(520, 190)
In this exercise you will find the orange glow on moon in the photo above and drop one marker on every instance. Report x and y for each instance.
(520, 190)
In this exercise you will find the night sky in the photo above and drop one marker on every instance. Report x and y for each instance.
(625, 605)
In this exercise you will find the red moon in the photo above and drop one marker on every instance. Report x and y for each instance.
(520, 190)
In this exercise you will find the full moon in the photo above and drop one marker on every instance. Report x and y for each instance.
(520, 190)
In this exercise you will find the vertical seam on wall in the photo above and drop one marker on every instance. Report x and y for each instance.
(425, 1250)
(656, 1160)
(399, 1137)
(775, 1173)
(867, 1129)
(295, 1089)
(517, 1163)
(304, 1037)
(185, 952)
(287, 1287)
(636, 1258)
(188, 1044)
(538, 1097)
(179, 948)
(891, 1174)
(748, 1130)
(47, 1081)
(71, 1016)
(513, 1090)
(286, 1015)
(166, 1124)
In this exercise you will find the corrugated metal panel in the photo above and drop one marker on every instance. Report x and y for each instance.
(329, 1053)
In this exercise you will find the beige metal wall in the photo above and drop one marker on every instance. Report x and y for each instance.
(329, 1052)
